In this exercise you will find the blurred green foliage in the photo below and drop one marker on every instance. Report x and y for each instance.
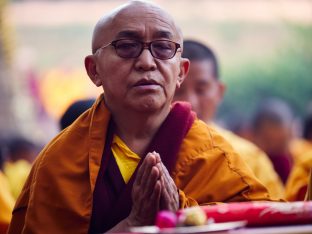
(286, 73)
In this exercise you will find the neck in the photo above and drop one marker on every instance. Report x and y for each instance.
(138, 129)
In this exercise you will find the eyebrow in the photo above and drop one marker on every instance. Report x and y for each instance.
(163, 34)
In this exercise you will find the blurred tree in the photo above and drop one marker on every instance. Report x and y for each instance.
(287, 75)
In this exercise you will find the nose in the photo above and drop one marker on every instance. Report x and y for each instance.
(145, 62)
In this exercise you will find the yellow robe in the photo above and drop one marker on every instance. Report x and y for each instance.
(17, 173)
(258, 162)
(299, 147)
(57, 196)
(6, 203)
(299, 176)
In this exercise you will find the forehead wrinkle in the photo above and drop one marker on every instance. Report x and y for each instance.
(128, 34)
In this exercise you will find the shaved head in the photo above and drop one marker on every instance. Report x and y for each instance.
(130, 10)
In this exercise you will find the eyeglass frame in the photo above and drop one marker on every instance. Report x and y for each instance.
(146, 45)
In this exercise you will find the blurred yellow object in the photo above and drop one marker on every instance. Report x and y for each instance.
(16, 173)
(6, 201)
(309, 191)
(59, 88)
(194, 216)
(299, 147)
(298, 180)
(126, 159)
(257, 161)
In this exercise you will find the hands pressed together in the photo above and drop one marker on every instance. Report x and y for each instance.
(153, 190)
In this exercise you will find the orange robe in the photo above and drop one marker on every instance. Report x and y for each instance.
(258, 162)
(57, 196)
(6, 203)
(297, 182)
(299, 147)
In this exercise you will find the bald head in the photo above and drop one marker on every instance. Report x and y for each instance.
(106, 27)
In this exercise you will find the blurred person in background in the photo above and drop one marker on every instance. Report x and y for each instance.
(74, 111)
(240, 125)
(6, 199)
(272, 127)
(204, 90)
(21, 153)
(297, 182)
(300, 146)
(132, 153)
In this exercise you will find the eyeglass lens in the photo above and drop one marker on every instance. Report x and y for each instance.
(161, 49)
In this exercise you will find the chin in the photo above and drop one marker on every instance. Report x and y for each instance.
(149, 105)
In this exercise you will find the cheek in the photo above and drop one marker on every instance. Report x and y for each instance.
(170, 74)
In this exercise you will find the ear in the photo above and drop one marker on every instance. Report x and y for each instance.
(90, 65)
(222, 89)
(184, 69)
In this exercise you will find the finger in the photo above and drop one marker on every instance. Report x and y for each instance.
(169, 185)
(151, 181)
(166, 198)
(167, 177)
(154, 201)
(149, 161)
(158, 158)
(144, 166)
(156, 193)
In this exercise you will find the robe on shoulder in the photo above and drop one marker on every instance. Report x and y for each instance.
(298, 180)
(258, 161)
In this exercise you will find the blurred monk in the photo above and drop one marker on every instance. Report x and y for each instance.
(272, 126)
(74, 111)
(133, 153)
(300, 146)
(6, 199)
(204, 90)
(21, 153)
(297, 183)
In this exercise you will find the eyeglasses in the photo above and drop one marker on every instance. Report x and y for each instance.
(128, 48)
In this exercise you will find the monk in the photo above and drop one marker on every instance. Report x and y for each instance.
(74, 111)
(132, 153)
(297, 183)
(272, 127)
(21, 153)
(6, 199)
(299, 146)
(204, 89)
(6, 203)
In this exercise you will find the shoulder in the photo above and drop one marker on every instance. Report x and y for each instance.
(243, 146)
(204, 143)
(69, 151)
(207, 164)
(305, 161)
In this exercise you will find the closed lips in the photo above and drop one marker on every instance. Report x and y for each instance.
(145, 82)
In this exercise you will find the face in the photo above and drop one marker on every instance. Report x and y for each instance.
(143, 84)
(273, 137)
(201, 89)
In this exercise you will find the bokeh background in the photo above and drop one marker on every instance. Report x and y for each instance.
(264, 48)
